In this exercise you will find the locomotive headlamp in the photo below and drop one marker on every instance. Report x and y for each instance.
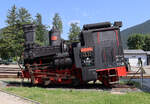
(119, 60)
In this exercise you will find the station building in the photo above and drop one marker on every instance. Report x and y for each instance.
(133, 56)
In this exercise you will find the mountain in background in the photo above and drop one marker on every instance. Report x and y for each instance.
(143, 28)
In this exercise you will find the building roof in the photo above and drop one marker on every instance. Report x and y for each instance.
(148, 52)
(138, 51)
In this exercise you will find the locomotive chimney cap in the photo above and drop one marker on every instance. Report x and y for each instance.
(118, 23)
(29, 27)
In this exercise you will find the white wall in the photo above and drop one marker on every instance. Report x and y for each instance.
(133, 59)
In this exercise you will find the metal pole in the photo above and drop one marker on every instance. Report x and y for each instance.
(142, 70)
(141, 78)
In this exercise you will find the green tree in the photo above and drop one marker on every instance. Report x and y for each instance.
(11, 43)
(8, 34)
(24, 17)
(74, 32)
(41, 31)
(146, 46)
(7, 48)
(136, 41)
(57, 22)
(12, 16)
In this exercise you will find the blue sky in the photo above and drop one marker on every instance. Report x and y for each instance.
(130, 12)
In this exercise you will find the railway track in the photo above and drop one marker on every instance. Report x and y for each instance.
(135, 75)
(9, 71)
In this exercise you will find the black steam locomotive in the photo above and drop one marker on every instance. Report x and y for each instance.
(97, 56)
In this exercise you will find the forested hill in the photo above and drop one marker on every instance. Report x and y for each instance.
(143, 28)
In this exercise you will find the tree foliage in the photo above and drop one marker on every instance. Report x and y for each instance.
(136, 41)
(12, 16)
(41, 31)
(74, 32)
(23, 16)
(146, 46)
(139, 41)
(57, 22)
(11, 42)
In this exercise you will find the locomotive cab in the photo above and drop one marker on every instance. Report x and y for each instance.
(101, 52)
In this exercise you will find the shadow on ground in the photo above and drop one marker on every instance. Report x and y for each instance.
(83, 86)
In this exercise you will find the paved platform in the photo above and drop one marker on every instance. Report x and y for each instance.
(6, 98)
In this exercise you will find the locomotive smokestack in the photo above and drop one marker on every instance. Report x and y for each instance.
(54, 37)
(29, 33)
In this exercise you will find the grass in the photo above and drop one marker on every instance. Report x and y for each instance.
(125, 82)
(61, 96)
